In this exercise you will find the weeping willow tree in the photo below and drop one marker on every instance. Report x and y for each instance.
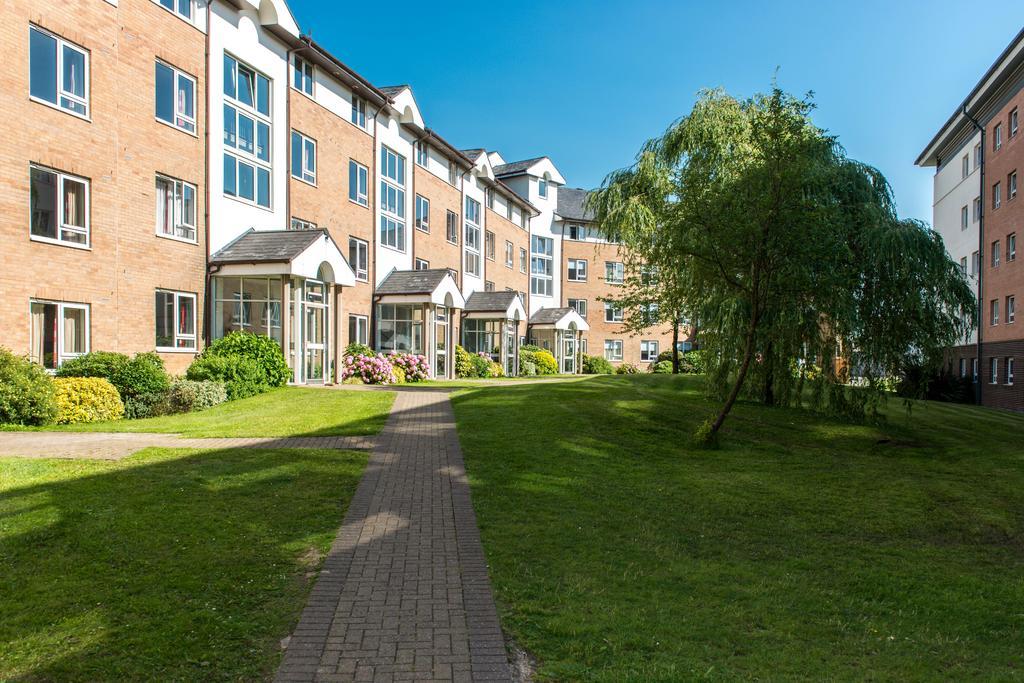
(790, 254)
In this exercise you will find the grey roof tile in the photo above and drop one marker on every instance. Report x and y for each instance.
(489, 301)
(412, 281)
(267, 246)
(548, 316)
(571, 204)
(515, 167)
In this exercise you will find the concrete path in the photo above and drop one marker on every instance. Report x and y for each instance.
(404, 592)
(114, 446)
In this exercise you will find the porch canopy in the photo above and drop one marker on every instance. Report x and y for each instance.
(558, 319)
(434, 286)
(491, 305)
(300, 253)
(491, 325)
(559, 331)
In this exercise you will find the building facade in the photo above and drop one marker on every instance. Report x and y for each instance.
(192, 167)
(977, 154)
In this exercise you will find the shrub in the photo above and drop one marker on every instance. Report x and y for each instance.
(463, 363)
(357, 349)
(495, 370)
(481, 365)
(662, 367)
(414, 366)
(86, 399)
(95, 364)
(545, 362)
(187, 395)
(527, 368)
(627, 369)
(399, 374)
(693, 362)
(26, 392)
(261, 349)
(596, 365)
(372, 369)
(241, 376)
(142, 376)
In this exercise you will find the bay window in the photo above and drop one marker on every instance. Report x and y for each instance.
(175, 321)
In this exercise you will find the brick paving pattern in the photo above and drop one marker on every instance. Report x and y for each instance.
(404, 592)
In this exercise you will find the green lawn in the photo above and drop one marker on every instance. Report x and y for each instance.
(169, 565)
(803, 548)
(289, 411)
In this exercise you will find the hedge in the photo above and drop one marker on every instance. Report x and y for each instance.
(26, 392)
(86, 399)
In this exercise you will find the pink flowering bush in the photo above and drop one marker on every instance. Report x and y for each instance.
(415, 366)
(375, 369)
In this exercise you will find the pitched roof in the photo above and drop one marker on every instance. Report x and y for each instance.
(267, 246)
(489, 301)
(392, 90)
(515, 167)
(572, 204)
(412, 281)
(473, 154)
(549, 316)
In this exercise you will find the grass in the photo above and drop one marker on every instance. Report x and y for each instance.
(288, 411)
(487, 382)
(169, 565)
(803, 548)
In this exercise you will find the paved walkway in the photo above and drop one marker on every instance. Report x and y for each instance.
(114, 446)
(404, 592)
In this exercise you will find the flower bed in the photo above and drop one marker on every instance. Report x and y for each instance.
(415, 366)
(375, 369)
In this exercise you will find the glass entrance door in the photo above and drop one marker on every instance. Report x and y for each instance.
(314, 332)
(441, 333)
(569, 352)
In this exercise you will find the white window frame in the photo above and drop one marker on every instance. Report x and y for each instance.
(542, 266)
(422, 221)
(59, 92)
(358, 115)
(183, 120)
(510, 254)
(301, 224)
(579, 305)
(471, 238)
(963, 218)
(453, 173)
(392, 214)
(976, 212)
(241, 156)
(612, 313)
(542, 188)
(614, 272)
(1009, 371)
(177, 5)
(362, 248)
(974, 370)
(490, 245)
(178, 335)
(362, 329)
(178, 220)
(1011, 247)
(993, 312)
(304, 72)
(997, 137)
(965, 166)
(1014, 123)
(1011, 309)
(646, 347)
(422, 153)
(62, 354)
(362, 192)
(573, 270)
(307, 172)
(421, 264)
(1011, 186)
(62, 224)
(993, 370)
(451, 227)
(613, 349)
(523, 258)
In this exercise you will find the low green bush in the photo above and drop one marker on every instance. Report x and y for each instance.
(596, 365)
(399, 373)
(26, 392)
(627, 369)
(495, 370)
(464, 363)
(260, 349)
(143, 376)
(86, 399)
(94, 364)
(357, 349)
(527, 368)
(545, 362)
(240, 375)
(187, 395)
(481, 365)
(662, 367)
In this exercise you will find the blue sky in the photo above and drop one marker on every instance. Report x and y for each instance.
(587, 82)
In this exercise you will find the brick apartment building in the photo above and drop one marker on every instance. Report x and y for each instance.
(190, 168)
(977, 154)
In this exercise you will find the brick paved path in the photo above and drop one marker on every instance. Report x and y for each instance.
(404, 592)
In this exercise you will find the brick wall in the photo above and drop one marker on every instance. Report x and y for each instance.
(497, 271)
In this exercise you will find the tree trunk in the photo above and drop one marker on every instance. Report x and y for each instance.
(748, 354)
(675, 346)
(769, 377)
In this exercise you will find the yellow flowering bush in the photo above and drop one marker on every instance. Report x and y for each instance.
(86, 399)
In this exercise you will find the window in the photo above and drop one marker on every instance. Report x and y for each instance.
(997, 195)
(422, 213)
(509, 209)
(303, 158)
(59, 331)
(578, 233)
(977, 209)
(579, 305)
(175, 98)
(175, 321)
(522, 260)
(358, 183)
(963, 265)
(302, 75)
(965, 166)
(59, 207)
(963, 218)
(993, 370)
(489, 247)
(488, 286)
(974, 370)
(993, 310)
(422, 264)
(614, 272)
(541, 279)
(1011, 247)
(510, 254)
(183, 8)
(963, 367)
(455, 275)
(542, 187)
(577, 270)
(612, 313)
(997, 136)
(472, 238)
(1011, 309)
(453, 173)
(358, 329)
(1009, 370)
(995, 254)
(975, 263)
(1013, 122)
(358, 111)
(301, 224)
(523, 218)
(489, 198)
(422, 153)
(451, 227)
(249, 304)
(359, 258)
(392, 199)
(246, 133)
(613, 349)
(175, 209)
(58, 72)
(400, 327)
(1011, 185)
(649, 351)
(977, 155)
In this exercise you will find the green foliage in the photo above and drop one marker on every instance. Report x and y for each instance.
(26, 392)
(186, 395)
(463, 363)
(481, 365)
(399, 374)
(495, 370)
(662, 367)
(94, 364)
(86, 399)
(596, 365)
(357, 349)
(527, 368)
(142, 378)
(541, 359)
(241, 376)
(627, 369)
(261, 349)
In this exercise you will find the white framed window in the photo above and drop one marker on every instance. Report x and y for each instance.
(358, 329)
(58, 72)
(1011, 247)
(963, 218)
(579, 305)
(488, 286)
(974, 370)
(422, 213)
(359, 258)
(175, 209)
(993, 311)
(1009, 370)
(577, 270)
(453, 173)
(183, 8)
(614, 272)
(302, 75)
(542, 187)
(612, 313)
(977, 155)
(583, 346)
(59, 331)
(175, 97)
(303, 158)
(649, 351)
(993, 371)
(965, 166)
(358, 183)
(422, 153)
(963, 367)
(997, 137)
(975, 263)
(489, 197)
(358, 116)
(1014, 127)
(301, 224)
(509, 209)
(541, 265)
(1011, 309)
(963, 265)
(578, 233)
(995, 254)
(997, 195)
(472, 237)
(1011, 185)
(175, 321)
(59, 207)
(522, 260)
(490, 245)
(613, 349)
(422, 264)
(247, 125)
(510, 254)
(451, 227)
(977, 210)
(524, 219)
(392, 199)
